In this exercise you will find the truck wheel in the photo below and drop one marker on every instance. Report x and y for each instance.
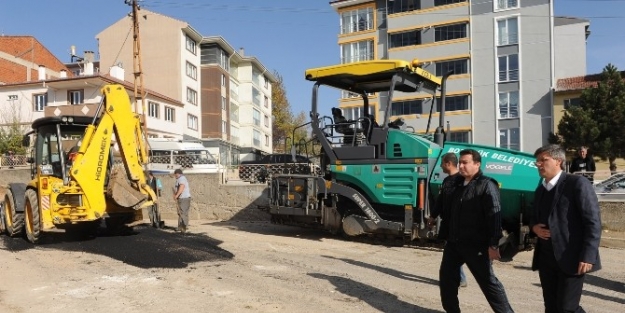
(32, 218)
(13, 221)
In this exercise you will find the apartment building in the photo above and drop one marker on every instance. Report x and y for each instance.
(502, 53)
(24, 59)
(170, 57)
(226, 95)
(24, 102)
(236, 96)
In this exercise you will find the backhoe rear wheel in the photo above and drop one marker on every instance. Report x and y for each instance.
(13, 221)
(32, 218)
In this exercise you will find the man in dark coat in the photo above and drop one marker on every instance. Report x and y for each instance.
(583, 163)
(473, 230)
(567, 220)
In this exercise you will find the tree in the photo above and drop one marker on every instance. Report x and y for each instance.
(13, 126)
(284, 121)
(599, 121)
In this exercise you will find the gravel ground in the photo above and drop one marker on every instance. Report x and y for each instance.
(257, 267)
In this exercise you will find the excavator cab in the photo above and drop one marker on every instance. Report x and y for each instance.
(57, 140)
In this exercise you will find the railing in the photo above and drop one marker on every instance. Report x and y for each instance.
(13, 161)
(260, 173)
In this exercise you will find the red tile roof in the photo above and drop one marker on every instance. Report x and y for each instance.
(579, 83)
(26, 48)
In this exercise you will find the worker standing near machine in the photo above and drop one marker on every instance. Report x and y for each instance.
(154, 213)
(449, 165)
(182, 196)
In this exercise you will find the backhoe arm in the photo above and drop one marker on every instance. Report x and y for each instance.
(90, 168)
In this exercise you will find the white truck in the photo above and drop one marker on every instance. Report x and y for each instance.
(167, 155)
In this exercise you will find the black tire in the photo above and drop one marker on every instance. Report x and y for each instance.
(32, 216)
(13, 220)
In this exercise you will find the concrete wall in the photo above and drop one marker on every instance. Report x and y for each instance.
(210, 199)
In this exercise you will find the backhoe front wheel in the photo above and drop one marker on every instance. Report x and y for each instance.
(32, 218)
(13, 220)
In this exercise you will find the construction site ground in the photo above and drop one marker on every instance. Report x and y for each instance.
(240, 266)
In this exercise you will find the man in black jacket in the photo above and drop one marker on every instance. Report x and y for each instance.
(473, 230)
(583, 163)
(449, 165)
(567, 221)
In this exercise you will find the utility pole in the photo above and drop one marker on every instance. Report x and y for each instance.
(139, 94)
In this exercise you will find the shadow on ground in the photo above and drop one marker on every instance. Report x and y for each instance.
(388, 271)
(145, 247)
(377, 298)
(270, 229)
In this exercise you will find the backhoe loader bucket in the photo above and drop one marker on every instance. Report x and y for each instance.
(121, 191)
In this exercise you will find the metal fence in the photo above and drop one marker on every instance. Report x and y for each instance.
(13, 161)
(260, 173)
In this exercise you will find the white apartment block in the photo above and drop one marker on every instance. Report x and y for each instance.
(170, 58)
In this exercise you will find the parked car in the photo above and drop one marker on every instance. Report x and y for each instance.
(259, 170)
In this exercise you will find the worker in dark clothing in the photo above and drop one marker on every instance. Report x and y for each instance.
(472, 230)
(153, 212)
(583, 163)
(449, 165)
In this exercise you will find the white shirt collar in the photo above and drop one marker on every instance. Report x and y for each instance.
(552, 183)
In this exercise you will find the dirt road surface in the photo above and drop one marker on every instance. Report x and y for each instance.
(256, 267)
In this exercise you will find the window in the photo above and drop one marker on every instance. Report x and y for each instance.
(510, 139)
(40, 101)
(357, 51)
(191, 45)
(507, 31)
(266, 119)
(224, 127)
(234, 112)
(458, 136)
(170, 114)
(256, 138)
(213, 54)
(403, 39)
(398, 6)
(191, 96)
(355, 113)
(267, 140)
(234, 134)
(256, 117)
(223, 80)
(348, 94)
(191, 70)
(509, 68)
(256, 97)
(153, 109)
(453, 103)
(224, 103)
(234, 91)
(568, 103)
(266, 80)
(75, 96)
(356, 20)
(458, 66)
(446, 2)
(506, 4)
(266, 102)
(450, 32)
(192, 122)
(255, 77)
(509, 104)
(407, 107)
